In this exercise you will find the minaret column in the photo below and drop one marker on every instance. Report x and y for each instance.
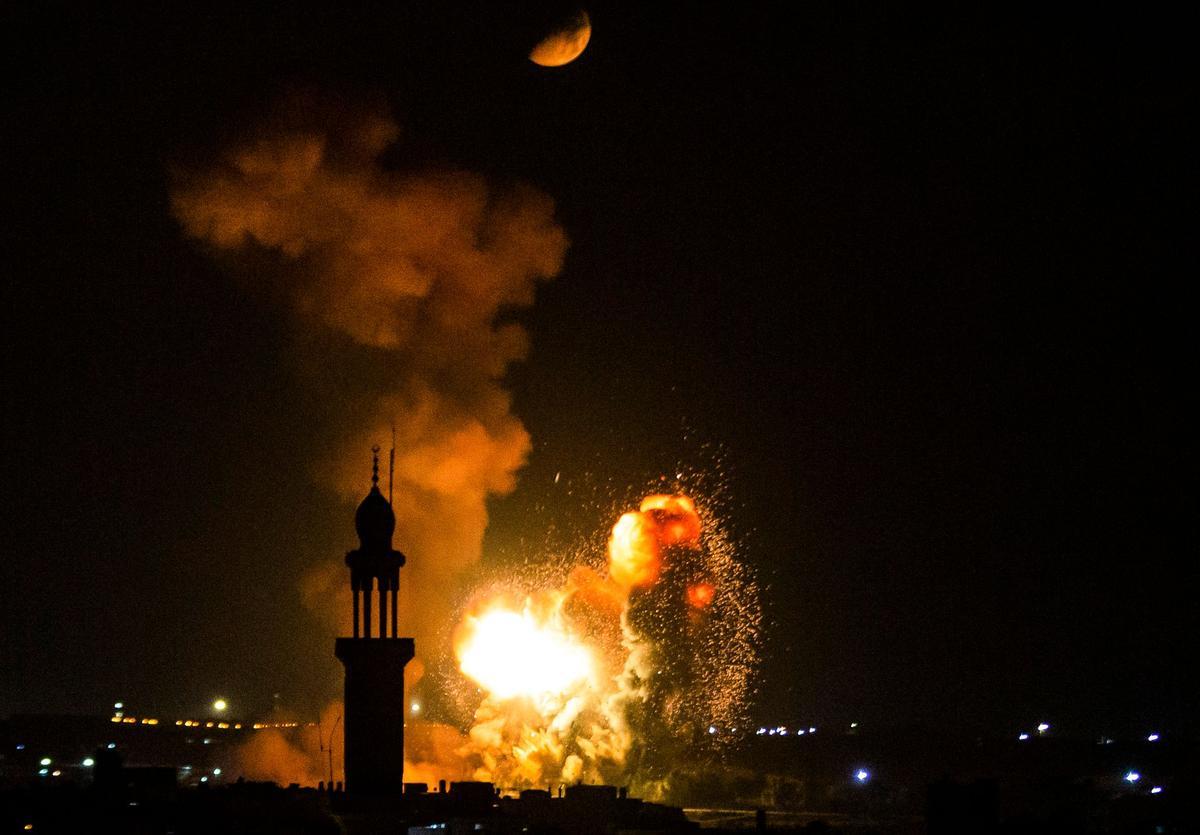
(367, 607)
(354, 591)
(395, 627)
(383, 609)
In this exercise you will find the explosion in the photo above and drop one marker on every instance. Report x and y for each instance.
(515, 654)
(401, 280)
(609, 676)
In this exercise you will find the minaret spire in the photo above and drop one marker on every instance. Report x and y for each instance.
(375, 465)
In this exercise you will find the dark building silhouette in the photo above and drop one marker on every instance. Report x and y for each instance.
(374, 700)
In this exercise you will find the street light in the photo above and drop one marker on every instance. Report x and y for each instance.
(219, 705)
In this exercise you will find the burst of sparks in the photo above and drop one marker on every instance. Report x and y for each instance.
(657, 642)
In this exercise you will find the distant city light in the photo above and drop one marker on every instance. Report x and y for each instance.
(43, 771)
(1023, 737)
(812, 730)
(416, 707)
(862, 775)
(1042, 728)
(800, 732)
(112, 745)
(220, 704)
(853, 724)
(46, 761)
(761, 731)
(217, 772)
(1132, 777)
(56, 773)
(118, 706)
(1152, 738)
(203, 779)
(20, 746)
(88, 762)
(712, 729)
(1156, 790)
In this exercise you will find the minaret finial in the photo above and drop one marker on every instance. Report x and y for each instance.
(392, 462)
(375, 465)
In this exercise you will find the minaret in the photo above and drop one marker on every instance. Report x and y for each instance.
(374, 702)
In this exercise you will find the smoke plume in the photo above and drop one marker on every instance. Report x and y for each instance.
(400, 276)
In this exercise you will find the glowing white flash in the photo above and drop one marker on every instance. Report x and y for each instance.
(510, 654)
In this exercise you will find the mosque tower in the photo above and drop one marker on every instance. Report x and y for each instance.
(374, 700)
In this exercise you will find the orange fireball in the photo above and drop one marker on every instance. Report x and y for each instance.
(633, 553)
(635, 547)
(676, 517)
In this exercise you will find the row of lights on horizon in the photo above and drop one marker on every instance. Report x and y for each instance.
(1044, 728)
(219, 706)
(89, 762)
(780, 730)
(861, 776)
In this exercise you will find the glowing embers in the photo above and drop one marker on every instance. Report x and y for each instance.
(700, 595)
(511, 653)
(578, 667)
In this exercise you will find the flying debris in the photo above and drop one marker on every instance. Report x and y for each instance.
(660, 640)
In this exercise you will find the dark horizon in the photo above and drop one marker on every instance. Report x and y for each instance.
(904, 292)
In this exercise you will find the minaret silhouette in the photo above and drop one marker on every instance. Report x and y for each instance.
(374, 700)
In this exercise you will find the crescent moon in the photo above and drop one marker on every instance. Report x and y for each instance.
(565, 45)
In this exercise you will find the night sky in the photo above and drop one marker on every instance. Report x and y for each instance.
(913, 284)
